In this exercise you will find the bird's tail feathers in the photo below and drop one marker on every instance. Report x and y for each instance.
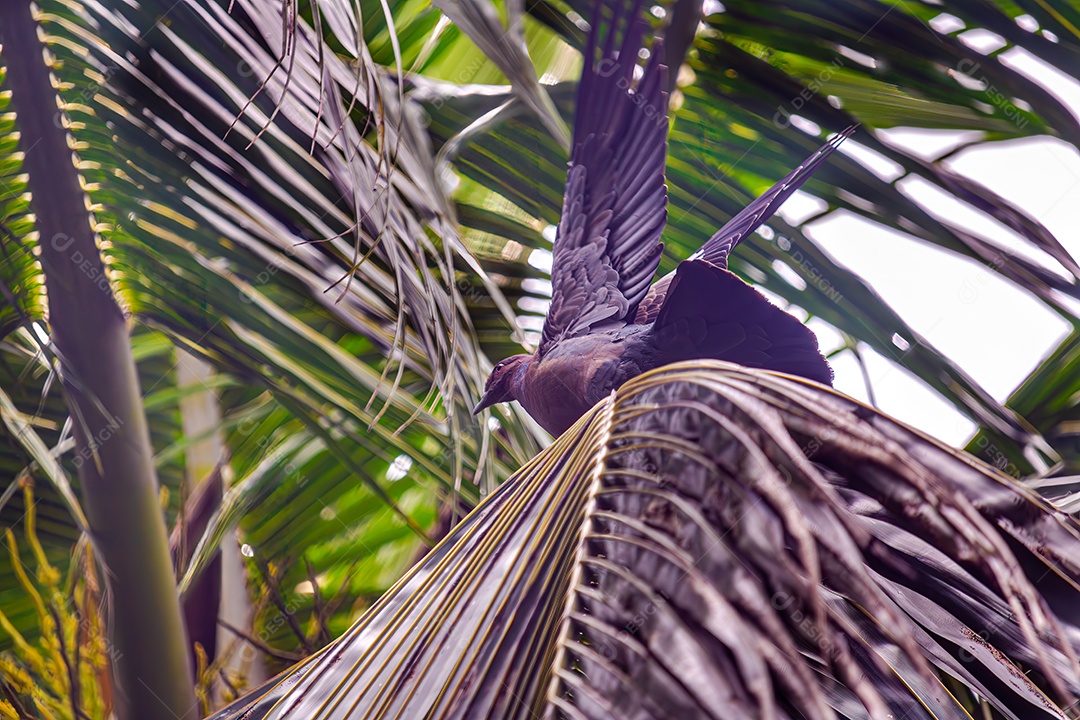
(708, 312)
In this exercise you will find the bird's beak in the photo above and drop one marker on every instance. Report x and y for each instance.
(485, 402)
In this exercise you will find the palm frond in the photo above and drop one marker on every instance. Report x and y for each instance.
(221, 247)
(505, 46)
(1047, 399)
(717, 542)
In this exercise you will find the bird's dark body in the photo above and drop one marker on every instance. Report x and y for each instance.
(723, 318)
(562, 385)
(608, 322)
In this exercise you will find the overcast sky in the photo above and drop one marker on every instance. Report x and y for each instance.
(997, 333)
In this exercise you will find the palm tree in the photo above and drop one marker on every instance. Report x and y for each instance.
(340, 220)
(95, 362)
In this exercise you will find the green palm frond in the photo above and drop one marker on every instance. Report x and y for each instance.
(1047, 398)
(277, 249)
(220, 246)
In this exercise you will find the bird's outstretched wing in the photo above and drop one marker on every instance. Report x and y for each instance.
(720, 245)
(750, 218)
(607, 247)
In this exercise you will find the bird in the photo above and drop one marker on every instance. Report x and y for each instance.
(607, 321)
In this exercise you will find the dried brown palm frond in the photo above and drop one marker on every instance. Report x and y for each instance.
(716, 542)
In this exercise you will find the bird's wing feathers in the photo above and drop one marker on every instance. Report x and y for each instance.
(720, 245)
(711, 313)
(654, 300)
(608, 246)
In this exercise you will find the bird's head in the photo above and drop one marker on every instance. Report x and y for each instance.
(503, 381)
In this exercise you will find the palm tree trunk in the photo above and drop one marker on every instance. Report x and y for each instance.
(118, 481)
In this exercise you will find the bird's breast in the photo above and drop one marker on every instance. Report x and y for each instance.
(575, 375)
